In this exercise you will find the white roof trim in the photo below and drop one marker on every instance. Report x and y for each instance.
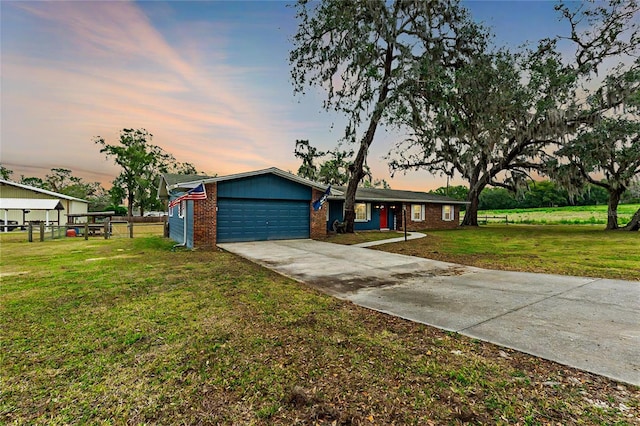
(42, 191)
(30, 204)
(272, 170)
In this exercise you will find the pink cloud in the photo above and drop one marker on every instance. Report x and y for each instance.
(193, 110)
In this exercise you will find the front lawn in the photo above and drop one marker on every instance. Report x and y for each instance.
(126, 331)
(557, 249)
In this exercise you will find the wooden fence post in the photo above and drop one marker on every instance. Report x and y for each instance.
(86, 230)
(107, 222)
(30, 232)
(41, 231)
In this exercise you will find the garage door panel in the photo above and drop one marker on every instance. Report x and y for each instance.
(259, 220)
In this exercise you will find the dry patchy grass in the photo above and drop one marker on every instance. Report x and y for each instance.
(144, 335)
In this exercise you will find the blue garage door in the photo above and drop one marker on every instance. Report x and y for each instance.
(259, 220)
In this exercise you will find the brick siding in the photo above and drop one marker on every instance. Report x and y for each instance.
(318, 218)
(432, 218)
(205, 219)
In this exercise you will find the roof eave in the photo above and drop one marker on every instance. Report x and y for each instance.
(399, 200)
(273, 170)
(42, 191)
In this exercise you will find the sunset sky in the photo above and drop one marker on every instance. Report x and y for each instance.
(210, 81)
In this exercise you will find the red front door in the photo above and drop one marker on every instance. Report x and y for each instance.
(383, 217)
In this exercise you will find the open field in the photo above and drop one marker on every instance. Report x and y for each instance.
(127, 331)
(572, 215)
(562, 249)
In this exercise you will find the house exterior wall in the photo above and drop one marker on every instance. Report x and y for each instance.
(177, 224)
(201, 216)
(373, 224)
(205, 218)
(264, 187)
(283, 200)
(336, 212)
(432, 218)
(318, 217)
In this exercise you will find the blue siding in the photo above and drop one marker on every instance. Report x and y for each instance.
(270, 187)
(176, 224)
(336, 213)
(370, 225)
(259, 220)
(264, 207)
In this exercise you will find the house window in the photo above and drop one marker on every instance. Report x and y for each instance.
(363, 212)
(181, 208)
(447, 213)
(170, 211)
(417, 212)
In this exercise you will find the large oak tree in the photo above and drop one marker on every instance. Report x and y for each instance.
(368, 55)
(493, 120)
(605, 151)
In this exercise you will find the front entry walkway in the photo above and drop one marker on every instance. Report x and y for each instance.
(587, 323)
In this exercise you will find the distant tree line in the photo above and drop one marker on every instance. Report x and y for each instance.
(141, 162)
(539, 194)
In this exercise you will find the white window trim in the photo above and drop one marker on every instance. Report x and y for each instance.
(452, 213)
(413, 219)
(181, 208)
(170, 211)
(368, 213)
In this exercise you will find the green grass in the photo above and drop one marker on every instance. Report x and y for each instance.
(567, 250)
(571, 215)
(127, 331)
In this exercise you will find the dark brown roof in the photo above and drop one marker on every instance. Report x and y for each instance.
(395, 195)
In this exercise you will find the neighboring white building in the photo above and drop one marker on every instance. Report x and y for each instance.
(24, 203)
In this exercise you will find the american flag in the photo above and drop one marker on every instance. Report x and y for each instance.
(320, 201)
(197, 193)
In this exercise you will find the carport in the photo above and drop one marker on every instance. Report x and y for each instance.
(27, 205)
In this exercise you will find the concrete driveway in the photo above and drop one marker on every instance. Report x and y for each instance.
(588, 323)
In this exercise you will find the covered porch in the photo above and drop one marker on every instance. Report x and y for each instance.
(27, 205)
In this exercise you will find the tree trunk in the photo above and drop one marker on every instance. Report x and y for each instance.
(471, 214)
(130, 205)
(357, 174)
(634, 224)
(356, 169)
(612, 210)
